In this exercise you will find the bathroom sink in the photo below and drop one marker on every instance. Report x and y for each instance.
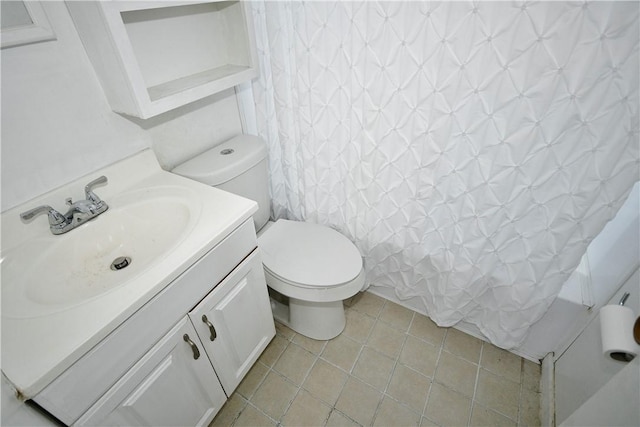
(60, 297)
(50, 274)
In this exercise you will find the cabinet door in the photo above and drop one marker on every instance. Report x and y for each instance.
(167, 387)
(234, 322)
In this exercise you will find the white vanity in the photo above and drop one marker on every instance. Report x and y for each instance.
(167, 340)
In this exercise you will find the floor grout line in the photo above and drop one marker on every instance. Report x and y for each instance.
(384, 316)
(521, 392)
(475, 385)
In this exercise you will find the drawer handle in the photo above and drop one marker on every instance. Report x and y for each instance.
(194, 348)
(212, 330)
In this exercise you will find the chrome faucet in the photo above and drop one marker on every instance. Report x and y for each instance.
(79, 212)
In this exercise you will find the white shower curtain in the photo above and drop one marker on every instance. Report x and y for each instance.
(470, 150)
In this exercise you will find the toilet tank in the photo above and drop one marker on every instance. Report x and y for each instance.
(238, 166)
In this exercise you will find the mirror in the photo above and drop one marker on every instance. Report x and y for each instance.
(14, 14)
(23, 23)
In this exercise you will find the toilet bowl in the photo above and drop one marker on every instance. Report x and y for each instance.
(309, 268)
(316, 268)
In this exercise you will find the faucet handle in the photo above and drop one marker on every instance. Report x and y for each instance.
(55, 217)
(88, 189)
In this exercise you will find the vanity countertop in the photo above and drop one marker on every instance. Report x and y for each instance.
(38, 348)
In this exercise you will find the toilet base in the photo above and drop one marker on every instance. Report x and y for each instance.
(317, 320)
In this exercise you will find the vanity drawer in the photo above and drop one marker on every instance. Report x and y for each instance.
(80, 386)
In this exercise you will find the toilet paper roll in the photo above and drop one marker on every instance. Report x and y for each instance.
(616, 326)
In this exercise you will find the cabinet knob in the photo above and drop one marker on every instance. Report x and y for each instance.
(212, 330)
(194, 348)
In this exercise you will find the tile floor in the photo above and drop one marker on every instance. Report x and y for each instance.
(390, 367)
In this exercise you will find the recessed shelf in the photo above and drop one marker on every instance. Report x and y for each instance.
(195, 80)
(152, 57)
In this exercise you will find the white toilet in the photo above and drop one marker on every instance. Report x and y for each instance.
(311, 268)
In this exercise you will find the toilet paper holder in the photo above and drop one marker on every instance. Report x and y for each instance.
(636, 325)
(624, 298)
(616, 326)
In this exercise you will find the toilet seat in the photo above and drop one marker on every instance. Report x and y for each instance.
(310, 261)
(315, 294)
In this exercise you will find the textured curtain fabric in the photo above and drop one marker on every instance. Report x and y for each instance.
(470, 150)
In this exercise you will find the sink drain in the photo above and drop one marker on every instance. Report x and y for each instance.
(120, 263)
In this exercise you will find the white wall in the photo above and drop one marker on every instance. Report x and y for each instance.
(615, 404)
(582, 371)
(57, 125)
(615, 253)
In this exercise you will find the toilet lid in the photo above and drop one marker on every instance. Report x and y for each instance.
(309, 254)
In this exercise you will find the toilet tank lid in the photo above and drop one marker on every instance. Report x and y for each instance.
(224, 161)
